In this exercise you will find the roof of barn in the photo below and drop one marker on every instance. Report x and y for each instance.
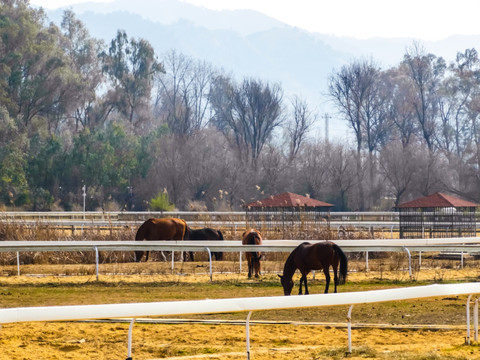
(437, 200)
(288, 199)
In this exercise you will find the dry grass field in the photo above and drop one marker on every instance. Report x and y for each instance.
(427, 329)
(432, 328)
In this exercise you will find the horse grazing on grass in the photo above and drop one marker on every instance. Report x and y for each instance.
(204, 234)
(253, 237)
(160, 229)
(307, 257)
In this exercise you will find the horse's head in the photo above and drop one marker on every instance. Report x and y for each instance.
(287, 284)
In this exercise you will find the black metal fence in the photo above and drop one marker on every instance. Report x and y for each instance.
(437, 222)
(286, 222)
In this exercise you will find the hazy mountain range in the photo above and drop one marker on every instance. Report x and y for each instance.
(248, 43)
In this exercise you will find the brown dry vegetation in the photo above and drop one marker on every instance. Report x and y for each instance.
(381, 330)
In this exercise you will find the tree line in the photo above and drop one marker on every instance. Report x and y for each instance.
(138, 131)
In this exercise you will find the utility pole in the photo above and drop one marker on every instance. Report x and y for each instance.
(84, 188)
(327, 117)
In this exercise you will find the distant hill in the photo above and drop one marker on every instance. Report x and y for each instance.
(248, 43)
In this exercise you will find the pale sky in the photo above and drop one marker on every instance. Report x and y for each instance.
(421, 19)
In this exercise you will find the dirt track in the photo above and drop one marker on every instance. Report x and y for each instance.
(109, 341)
(72, 340)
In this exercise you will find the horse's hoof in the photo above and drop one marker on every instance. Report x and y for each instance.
(256, 276)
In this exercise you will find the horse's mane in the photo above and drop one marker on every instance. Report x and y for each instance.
(290, 267)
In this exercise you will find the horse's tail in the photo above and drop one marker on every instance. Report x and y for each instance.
(220, 235)
(257, 255)
(185, 229)
(343, 264)
(186, 233)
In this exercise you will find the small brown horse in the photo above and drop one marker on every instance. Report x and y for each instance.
(307, 257)
(160, 229)
(252, 237)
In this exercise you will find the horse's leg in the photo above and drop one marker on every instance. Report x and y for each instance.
(138, 256)
(327, 278)
(250, 266)
(305, 282)
(257, 267)
(192, 258)
(146, 257)
(186, 255)
(300, 286)
(163, 256)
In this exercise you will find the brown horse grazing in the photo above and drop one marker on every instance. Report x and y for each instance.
(307, 257)
(160, 229)
(252, 237)
(204, 234)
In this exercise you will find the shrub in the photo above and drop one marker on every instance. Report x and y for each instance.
(161, 203)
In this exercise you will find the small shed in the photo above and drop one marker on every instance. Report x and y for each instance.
(287, 213)
(437, 216)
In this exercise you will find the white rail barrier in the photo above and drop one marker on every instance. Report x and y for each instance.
(451, 245)
(135, 310)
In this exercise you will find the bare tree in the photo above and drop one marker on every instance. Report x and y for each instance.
(425, 72)
(182, 93)
(300, 123)
(314, 168)
(399, 103)
(343, 175)
(247, 114)
(353, 90)
(398, 168)
(456, 96)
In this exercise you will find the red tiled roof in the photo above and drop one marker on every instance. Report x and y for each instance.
(437, 200)
(288, 200)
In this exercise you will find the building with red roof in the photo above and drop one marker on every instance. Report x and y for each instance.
(287, 213)
(437, 215)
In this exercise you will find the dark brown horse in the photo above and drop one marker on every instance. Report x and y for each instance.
(160, 229)
(307, 257)
(204, 234)
(253, 237)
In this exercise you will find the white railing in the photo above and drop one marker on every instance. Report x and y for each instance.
(450, 245)
(170, 308)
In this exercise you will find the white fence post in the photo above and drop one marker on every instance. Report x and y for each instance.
(409, 261)
(130, 331)
(349, 318)
(467, 339)
(247, 327)
(96, 260)
(475, 321)
(210, 262)
(18, 263)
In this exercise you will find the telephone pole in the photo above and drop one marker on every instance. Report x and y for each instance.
(327, 117)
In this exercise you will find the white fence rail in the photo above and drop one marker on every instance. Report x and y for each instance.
(136, 310)
(450, 245)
